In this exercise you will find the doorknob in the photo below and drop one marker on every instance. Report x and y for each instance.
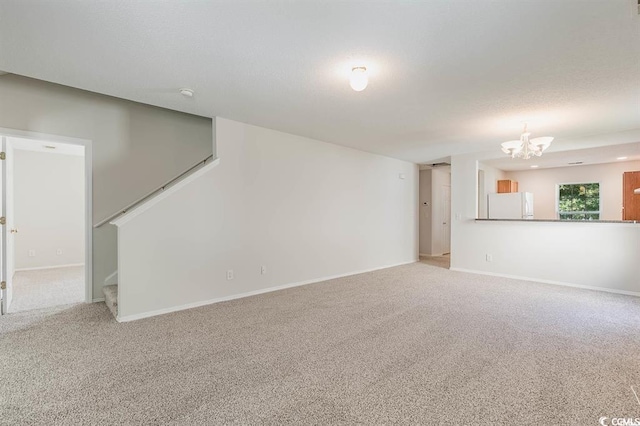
(14, 231)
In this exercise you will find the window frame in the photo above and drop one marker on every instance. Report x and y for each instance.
(599, 212)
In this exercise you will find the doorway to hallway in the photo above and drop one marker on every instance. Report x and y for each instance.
(435, 211)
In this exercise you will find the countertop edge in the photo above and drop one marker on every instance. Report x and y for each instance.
(624, 222)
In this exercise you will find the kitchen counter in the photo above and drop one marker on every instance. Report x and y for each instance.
(557, 220)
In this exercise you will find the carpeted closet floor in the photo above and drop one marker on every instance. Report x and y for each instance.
(44, 288)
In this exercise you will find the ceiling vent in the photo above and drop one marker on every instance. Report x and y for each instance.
(575, 163)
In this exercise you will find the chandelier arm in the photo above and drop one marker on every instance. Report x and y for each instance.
(526, 148)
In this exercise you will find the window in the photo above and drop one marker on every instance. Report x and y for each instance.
(579, 201)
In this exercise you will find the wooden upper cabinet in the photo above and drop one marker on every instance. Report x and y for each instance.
(630, 201)
(505, 186)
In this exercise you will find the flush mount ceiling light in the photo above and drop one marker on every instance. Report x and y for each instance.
(359, 78)
(526, 148)
(621, 158)
(186, 93)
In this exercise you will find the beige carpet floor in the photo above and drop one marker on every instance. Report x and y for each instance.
(44, 288)
(415, 344)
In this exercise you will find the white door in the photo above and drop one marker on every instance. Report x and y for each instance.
(7, 232)
(446, 219)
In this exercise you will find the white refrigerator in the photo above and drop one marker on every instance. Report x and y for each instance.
(514, 205)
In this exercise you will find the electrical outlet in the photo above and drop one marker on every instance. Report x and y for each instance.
(59, 252)
(229, 274)
(489, 258)
(32, 253)
(263, 270)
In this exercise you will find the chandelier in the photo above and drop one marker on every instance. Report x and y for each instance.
(526, 148)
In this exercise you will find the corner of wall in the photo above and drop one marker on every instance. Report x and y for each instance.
(214, 138)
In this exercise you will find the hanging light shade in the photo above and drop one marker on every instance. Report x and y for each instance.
(526, 148)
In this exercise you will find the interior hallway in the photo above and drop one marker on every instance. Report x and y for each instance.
(443, 261)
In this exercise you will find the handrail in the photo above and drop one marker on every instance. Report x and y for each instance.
(141, 200)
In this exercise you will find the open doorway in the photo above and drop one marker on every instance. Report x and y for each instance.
(46, 231)
(435, 214)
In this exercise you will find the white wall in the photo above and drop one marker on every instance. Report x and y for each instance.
(542, 183)
(599, 255)
(305, 209)
(135, 147)
(48, 208)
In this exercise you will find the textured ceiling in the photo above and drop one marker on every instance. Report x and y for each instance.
(447, 76)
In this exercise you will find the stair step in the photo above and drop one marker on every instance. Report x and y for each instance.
(111, 298)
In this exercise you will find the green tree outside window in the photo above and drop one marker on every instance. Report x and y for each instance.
(579, 201)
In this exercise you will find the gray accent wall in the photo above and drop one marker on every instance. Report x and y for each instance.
(136, 147)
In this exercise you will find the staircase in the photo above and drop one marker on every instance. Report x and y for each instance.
(111, 298)
(110, 289)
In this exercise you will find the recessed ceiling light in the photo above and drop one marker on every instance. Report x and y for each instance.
(358, 79)
(186, 92)
(621, 158)
(535, 166)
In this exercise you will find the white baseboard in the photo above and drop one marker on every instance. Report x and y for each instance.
(49, 267)
(537, 280)
(134, 317)
(99, 299)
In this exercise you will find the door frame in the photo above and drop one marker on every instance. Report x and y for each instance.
(444, 205)
(88, 194)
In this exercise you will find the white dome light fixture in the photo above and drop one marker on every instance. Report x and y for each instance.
(359, 78)
(526, 148)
